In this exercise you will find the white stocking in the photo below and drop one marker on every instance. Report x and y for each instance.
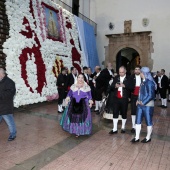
(123, 123)
(100, 104)
(133, 121)
(96, 105)
(115, 122)
(59, 108)
(149, 132)
(162, 100)
(138, 129)
(165, 102)
(64, 103)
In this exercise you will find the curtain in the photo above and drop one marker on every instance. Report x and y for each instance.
(80, 27)
(90, 41)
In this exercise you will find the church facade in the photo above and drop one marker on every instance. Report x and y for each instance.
(146, 39)
(147, 33)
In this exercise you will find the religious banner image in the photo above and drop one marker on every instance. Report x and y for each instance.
(52, 24)
(47, 40)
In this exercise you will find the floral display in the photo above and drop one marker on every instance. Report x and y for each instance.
(43, 38)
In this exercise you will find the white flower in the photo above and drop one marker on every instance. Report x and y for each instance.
(49, 49)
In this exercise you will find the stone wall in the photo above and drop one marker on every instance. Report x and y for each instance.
(117, 12)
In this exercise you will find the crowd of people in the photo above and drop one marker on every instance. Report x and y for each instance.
(80, 91)
(98, 82)
(163, 84)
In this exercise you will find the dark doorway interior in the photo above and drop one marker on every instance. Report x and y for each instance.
(129, 58)
(75, 6)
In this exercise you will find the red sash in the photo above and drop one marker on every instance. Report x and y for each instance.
(136, 91)
(119, 94)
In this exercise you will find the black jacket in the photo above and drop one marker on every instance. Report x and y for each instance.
(91, 81)
(99, 88)
(7, 92)
(70, 80)
(86, 79)
(62, 81)
(100, 82)
(126, 89)
(107, 77)
(164, 82)
(156, 79)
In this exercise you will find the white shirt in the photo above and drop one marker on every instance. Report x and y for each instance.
(90, 78)
(159, 80)
(96, 76)
(138, 80)
(110, 72)
(122, 79)
(75, 78)
(121, 88)
(86, 77)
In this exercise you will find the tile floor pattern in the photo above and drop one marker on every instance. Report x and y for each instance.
(42, 144)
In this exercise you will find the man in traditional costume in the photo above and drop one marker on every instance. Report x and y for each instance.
(61, 85)
(135, 80)
(169, 88)
(108, 74)
(99, 84)
(145, 104)
(72, 77)
(121, 89)
(85, 74)
(91, 84)
(163, 86)
(157, 78)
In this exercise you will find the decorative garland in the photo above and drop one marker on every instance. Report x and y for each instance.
(31, 54)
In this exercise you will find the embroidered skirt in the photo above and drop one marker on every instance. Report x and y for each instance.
(76, 118)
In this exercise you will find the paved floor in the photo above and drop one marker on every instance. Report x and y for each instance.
(42, 144)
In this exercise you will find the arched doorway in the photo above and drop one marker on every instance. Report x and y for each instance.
(127, 57)
(139, 41)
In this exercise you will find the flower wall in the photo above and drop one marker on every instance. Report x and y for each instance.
(43, 38)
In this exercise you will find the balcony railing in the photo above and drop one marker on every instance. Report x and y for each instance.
(70, 9)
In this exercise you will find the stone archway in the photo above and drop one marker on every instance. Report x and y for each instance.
(127, 57)
(140, 41)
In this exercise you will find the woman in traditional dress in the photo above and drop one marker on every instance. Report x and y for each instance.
(76, 118)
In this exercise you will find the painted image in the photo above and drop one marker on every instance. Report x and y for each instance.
(52, 24)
